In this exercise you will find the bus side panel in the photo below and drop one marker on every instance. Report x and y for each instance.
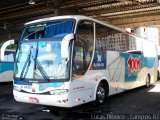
(115, 72)
(125, 71)
(119, 75)
(150, 54)
(82, 89)
(134, 70)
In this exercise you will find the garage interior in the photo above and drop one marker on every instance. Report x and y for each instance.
(130, 14)
(141, 17)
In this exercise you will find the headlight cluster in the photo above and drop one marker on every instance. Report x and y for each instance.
(17, 88)
(58, 92)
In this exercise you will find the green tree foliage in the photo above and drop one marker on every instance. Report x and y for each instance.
(13, 46)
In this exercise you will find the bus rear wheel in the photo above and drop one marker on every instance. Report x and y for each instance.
(100, 94)
(158, 75)
(147, 81)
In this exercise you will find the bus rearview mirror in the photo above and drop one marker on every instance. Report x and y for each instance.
(65, 45)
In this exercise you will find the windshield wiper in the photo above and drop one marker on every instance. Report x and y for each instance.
(39, 66)
(26, 65)
(41, 69)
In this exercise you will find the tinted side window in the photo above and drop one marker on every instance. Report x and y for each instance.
(111, 39)
(83, 48)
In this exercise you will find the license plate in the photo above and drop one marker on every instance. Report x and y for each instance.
(33, 100)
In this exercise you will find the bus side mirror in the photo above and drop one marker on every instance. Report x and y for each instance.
(65, 45)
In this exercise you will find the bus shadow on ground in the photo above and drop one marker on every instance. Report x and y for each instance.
(136, 101)
(120, 104)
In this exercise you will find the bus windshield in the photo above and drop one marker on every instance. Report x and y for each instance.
(34, 60)
(38, 57)
(47, 30)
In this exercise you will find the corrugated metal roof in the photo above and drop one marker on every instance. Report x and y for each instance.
(123, 13)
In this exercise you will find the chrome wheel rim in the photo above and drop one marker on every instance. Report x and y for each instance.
(147, 81)
(101, 94)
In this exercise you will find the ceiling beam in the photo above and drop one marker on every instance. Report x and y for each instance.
(134, 1)
(84, 3)
(131, 12)
(140, 24)
(107, 8)
(24, 4)
(135, 20)
(117, 7)
(24, 7)
(26, 12)
(13, 24)
(131, 15)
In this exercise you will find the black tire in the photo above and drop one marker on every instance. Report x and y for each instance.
(100, 94)
(157, 75)
(148, 81)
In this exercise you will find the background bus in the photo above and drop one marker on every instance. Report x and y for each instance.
(7, 61)
(67, 61)
(7, 66)
(158, 52)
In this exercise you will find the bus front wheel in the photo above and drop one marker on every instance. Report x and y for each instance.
(100, 94)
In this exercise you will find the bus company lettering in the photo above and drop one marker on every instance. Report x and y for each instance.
(43, 86)
(133, 65)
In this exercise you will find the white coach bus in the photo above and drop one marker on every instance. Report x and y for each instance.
(67, 61)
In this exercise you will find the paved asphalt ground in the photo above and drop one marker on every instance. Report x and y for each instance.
(138, 104)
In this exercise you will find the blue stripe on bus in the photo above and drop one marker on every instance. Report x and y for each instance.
(18, 82)
(43, 86)
(134, 63)
(150, 61)
(6, 66)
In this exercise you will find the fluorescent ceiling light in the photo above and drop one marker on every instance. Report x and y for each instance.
(32, 2)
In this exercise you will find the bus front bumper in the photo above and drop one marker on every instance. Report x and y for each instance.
(50, 100)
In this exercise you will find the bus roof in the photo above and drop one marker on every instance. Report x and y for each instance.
(76, 17)
(81, 17)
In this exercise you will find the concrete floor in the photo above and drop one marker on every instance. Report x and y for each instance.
(138, 104)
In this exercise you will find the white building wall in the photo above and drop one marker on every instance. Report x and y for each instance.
(150, 33)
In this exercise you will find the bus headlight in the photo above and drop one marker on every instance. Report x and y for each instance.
(58, 92)
(17, 88)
